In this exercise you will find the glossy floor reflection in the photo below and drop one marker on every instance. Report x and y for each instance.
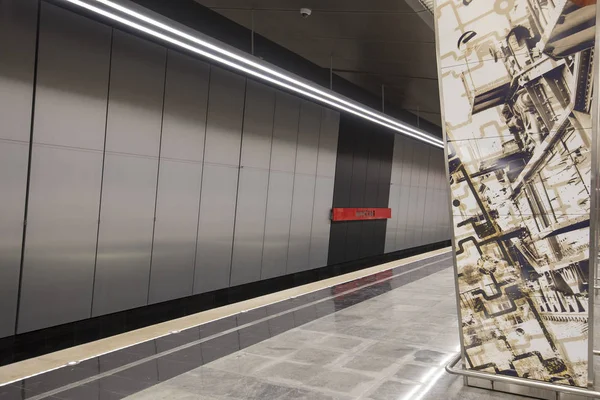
(392, 346)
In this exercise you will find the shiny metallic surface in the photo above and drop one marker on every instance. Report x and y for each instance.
(328, 140)
(66, 169)
(215, 227)
(308, 139)
(301, 223)
(224, 118)
(285, 132)
(125, 235)
(174, 246)
(258, 126)
(137, 80)
(249, 226)
(321, 223)
(277, 224)
(184, 115)
(17, 45)
(60, 251)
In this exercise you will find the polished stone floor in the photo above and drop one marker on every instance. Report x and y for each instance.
(392, 346)
(384, 336)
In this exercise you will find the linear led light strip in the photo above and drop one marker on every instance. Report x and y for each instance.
(334, 102)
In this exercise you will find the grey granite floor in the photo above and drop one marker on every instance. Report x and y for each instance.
(392, 346)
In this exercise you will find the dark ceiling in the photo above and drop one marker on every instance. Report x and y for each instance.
(368, 42)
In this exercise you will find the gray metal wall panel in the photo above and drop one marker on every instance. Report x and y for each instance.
(402, 237)
(72, 80)
(301, 222)
(321, 222)
(215, 230)
(285, 132)
(125, 236)
(136, 96)
(258, 126)
(392, 223)
(225, 114)
(62, 226)
(397, 160)
(13, 184)
(277, 224)
(328, 142)
(249, 226)
(184, 117)
(308, 138)
(406, 155)
(174, 247)
(18, 27)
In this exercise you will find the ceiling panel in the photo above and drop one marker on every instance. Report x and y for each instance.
(370, 43)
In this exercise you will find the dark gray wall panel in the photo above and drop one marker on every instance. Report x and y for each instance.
(174, 248)
(249, 226)
(258, 126)
(60, 250)
(13, 182)
(136, 96)
(277, 224)
(328, 141)
(285, 132)
(125, 235)
(18, 21)
(72, 80)
(225, 114)
(402, 237)
(301, 222)
(308, 138)
(184, 118)
(215, 227)
(321, 223)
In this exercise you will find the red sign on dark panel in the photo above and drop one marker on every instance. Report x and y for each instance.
(360, 214)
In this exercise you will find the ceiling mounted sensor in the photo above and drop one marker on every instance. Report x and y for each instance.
(305, 12)
(157, 26)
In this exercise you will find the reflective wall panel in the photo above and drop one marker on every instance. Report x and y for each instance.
(285, 132)
(215, 227)
(225, 115)
(174, 248)
(66, 169)
(184, 116)
(258, 126)
(328, 141)
(58, 265)
(125, 234)
(180, 178)
(137, 81)
(17, 46)
(130, 174)
(301, 223)
(308, 139)
(277, 224)
(321, 222)
(249, 226)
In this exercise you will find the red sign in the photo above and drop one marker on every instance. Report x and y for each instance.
(360, 214)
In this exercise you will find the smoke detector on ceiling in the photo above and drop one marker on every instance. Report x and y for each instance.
(305, 12)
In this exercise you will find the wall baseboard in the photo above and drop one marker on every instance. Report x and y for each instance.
(32, 344)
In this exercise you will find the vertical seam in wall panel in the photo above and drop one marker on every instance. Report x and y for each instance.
(237, 192)
(412, 158)
(347, 223)
(312, 214)
(162, 122)
(25, 212)
(202, 175)
(262, 252)
(425, 205)
(112, 38)
(287, 252)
